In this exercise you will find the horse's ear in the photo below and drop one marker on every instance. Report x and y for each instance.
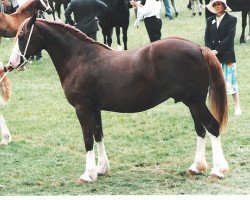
(32, 20)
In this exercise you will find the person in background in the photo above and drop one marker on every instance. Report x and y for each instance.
(9, 6)
(85, 13)
(150, 13)
(219, 37)
(168, 13)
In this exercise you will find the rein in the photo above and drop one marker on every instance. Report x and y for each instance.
(25, 60)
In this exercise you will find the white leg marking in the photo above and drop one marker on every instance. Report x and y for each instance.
(103, 163)
(90, 174)
(6, 137)
(200, 164)
(219, 161)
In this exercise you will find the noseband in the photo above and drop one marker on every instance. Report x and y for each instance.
(25, 60)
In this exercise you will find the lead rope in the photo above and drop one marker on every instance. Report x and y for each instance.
(25, 60)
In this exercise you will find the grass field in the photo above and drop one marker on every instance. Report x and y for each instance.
(149, 152)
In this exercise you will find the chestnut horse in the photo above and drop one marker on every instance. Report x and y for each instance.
(9, 24)
(237, 5)
(5, 91)
(95, 77)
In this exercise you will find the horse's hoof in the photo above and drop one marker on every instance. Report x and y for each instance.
(81, 182)
(225, 170)
(193, 173)
(190, 172)
(242, 41)
(107, 173)
(176, 14)
(4, 143)
(214, 177)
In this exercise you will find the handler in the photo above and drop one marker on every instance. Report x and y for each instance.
(85, 13)
(219, 36)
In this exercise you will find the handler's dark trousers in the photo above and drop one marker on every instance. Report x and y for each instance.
(153, 26)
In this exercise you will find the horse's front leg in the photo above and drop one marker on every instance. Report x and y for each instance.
(87, 120)
(6, 137)
(103, 163)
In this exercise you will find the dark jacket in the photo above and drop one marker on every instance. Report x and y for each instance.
(85, 13)
(222, 39)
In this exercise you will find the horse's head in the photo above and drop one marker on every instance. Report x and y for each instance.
(44, 6)
(26, 45)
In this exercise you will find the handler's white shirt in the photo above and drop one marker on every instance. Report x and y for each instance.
(219, 19)
(151, 8)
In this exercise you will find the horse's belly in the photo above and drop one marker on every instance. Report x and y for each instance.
(133, 103)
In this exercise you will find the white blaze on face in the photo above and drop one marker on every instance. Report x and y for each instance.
(15, 57)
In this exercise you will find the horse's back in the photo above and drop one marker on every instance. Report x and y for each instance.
(180, 67)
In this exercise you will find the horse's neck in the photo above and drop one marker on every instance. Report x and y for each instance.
(27, 10)
(60, 45)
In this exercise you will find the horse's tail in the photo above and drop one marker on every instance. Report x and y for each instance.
(217, 99)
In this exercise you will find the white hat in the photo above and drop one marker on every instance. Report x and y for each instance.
(212, 9)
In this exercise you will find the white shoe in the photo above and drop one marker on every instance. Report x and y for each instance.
(238, 111)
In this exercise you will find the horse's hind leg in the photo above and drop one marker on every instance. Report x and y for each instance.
(103, 163)
(200, 164)
(6, 137)
(202, 115)
(244, 24)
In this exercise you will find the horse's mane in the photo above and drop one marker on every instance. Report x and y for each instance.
(24, 7)
(21, 26)
(74, 31)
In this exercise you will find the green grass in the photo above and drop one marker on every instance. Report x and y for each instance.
(149, 152)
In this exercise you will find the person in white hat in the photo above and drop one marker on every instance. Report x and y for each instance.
(219, 37)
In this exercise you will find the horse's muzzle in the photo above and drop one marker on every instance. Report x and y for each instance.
(8, 67)
(49, 11)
